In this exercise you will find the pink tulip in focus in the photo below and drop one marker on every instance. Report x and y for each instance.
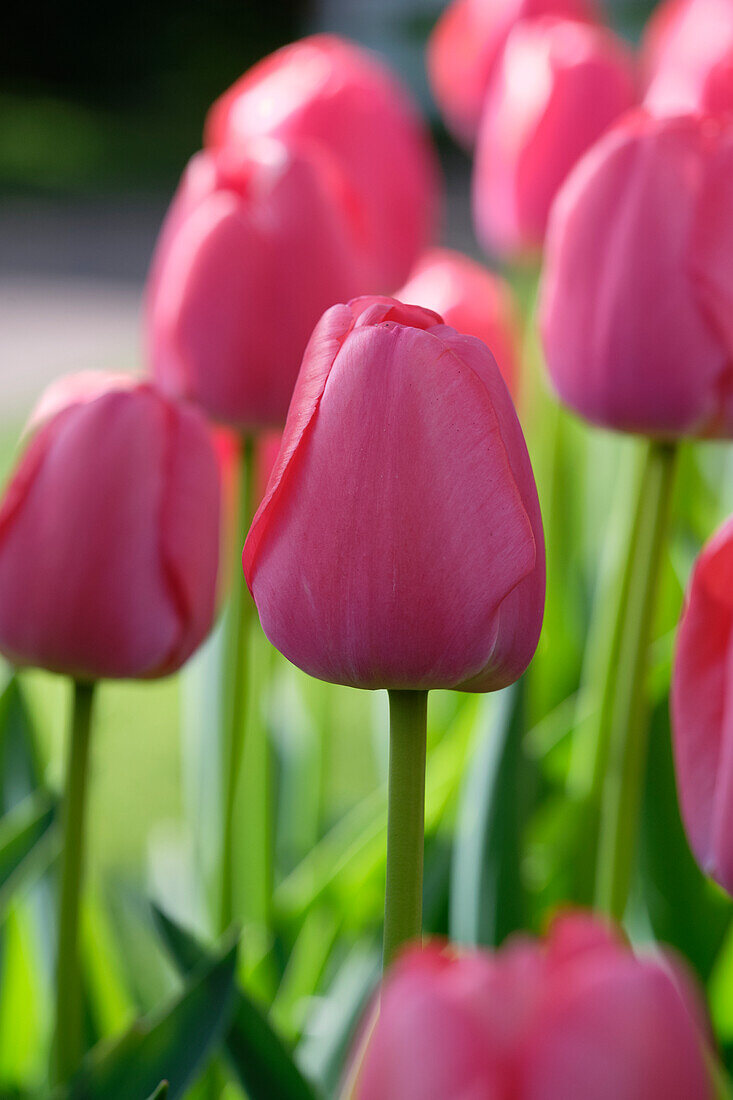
(256, 245)
(109, 533)
(559, 86)
(636, 302)
(701, 714)
(687, 56)
(400, 541)
(579, 1016)
(465, 48)
(471, 299)
(328, 92)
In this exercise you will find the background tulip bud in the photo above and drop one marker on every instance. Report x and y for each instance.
(687, 57)
(327, 92)
(637, 289)
(580, 1016)
(703, 737)
(560, 84)
(400, 541)
(109, 533)
(471, 299)
(256, 246)
(465, 48)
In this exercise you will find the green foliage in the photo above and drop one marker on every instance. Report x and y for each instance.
(22, 833)
(172, 1045)
(258, 1056)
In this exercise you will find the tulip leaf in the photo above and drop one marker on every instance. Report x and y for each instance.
(20, 770)
(171, 1045)
(22, 833)
(686, 910)
(258, 1056)
(487, 898)
(161, 1092)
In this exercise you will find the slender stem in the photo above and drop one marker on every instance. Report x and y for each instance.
(68, 1046)
(628, 723)
(406, 819)
(236, 660)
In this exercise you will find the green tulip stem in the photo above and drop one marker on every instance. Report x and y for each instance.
(405, 820)
(68, 1045)
(236, 664)
(626, 700)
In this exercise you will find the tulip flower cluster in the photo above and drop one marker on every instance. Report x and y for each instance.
(534, 85)
(303, 325)
(317, 182)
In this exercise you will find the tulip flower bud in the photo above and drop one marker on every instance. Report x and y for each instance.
(327, 92)
(471, 299)
(580, 1016)
(255, 247)
(465, 48)
(109, 533)
(703, 736)
(559, 86)
(687, 57)
(637, 291)
(400, 542)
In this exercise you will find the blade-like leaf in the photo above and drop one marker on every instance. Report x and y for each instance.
(262, 1063)
(172, 1045)
(22, 831)
(161, 1092)
(487, 899)
(20, 771)
(685, 910)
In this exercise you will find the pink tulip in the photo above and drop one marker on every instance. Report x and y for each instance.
(559, 86)
(471, 299)
(326, 91)
(636, 301)
(109, 533)
(400, 542)
(687, 55)
(580, 1016)
(703, 732)
(256, 245)
(464, 52)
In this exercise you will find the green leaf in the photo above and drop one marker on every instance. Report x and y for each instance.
(161, 1092)
(259, 1057)
(685, 909)
(22, 831)
(20, 771)
(487, 898)
(172, 1045)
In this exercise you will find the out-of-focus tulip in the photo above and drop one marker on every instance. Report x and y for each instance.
(465, 47)
(687, 57)
(471, 299)
(701, 716)
(559, 86)
(256, 245)
(580, 1016)
(637, 291)
(109, 533)
(400, 541)
(326, 91)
